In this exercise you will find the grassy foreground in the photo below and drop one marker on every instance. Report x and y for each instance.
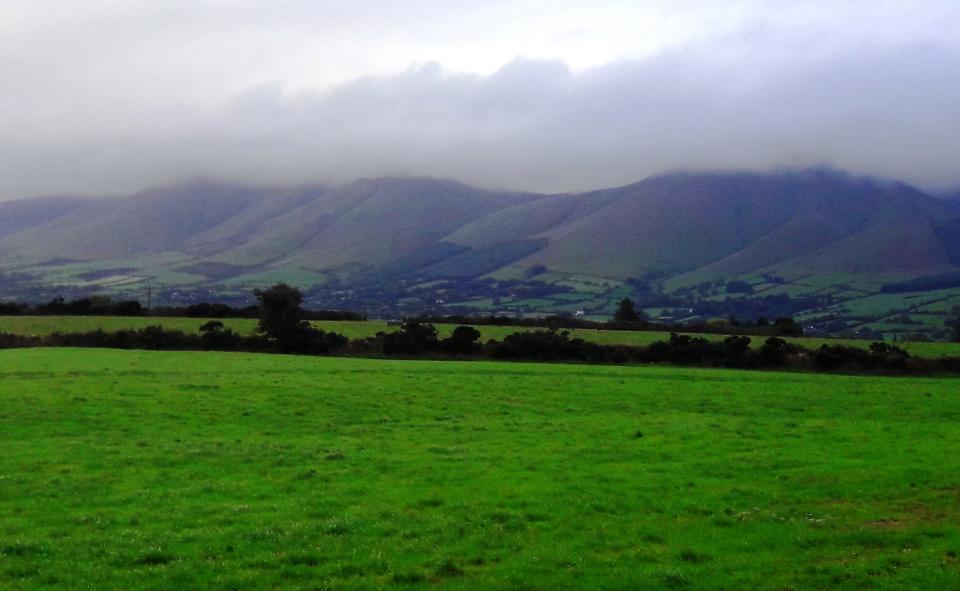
(44, 325)
(166, 470)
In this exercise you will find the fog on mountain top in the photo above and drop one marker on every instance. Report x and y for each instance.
(537, 125)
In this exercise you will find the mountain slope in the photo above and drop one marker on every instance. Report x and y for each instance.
(666, 224)
(677, 225)
(17, 216)
(729, 224)
(238, 229)
(370, 222)
(152, 221)
(846, 225)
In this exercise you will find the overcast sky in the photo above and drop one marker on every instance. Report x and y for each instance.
(111, 96)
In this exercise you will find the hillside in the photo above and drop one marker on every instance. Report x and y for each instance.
(17, 216)
(155, 220)
(370, 222)
(813, 231)
(367, 222)
(733, 224)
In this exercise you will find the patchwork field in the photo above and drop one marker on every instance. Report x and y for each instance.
(44, 325)
(183, 470)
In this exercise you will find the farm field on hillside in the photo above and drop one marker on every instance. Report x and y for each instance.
(43, 325)
(164, 470)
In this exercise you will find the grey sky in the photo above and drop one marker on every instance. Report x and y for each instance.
(115, 95)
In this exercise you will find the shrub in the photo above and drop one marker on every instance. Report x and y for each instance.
(463, 341)
(413, 338)
(15, 341)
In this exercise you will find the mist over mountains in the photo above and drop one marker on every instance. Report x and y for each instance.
(764, 101)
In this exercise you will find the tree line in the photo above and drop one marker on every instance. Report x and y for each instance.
(106, 306)
(284, 328)
(626, 317)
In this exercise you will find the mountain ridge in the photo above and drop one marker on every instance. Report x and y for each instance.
(682, 225)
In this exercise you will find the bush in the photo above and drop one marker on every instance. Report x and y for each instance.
(881, 356)
(549, 345)
(413, 338)
(15, 341)
(775, 351)
(151, 337)
(311, 341)
(463, 341)
(213, 337)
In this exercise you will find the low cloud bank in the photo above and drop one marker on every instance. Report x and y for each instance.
(537, 125)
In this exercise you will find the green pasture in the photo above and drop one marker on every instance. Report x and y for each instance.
(44, 325)
(187, 470)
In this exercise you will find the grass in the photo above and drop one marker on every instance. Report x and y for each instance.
(164, 470)
(43, 325)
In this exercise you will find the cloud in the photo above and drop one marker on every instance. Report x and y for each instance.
(760, 98)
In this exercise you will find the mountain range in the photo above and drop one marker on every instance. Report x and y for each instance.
(679, 229)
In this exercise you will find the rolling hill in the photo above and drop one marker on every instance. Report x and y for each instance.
(17, 216)
(682, 229)
(815, 221)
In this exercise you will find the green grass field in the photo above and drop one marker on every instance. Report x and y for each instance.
(43, 325)
(185, 470)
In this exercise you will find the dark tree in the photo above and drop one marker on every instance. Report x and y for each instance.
(214, 337)
(284, 322)
(774, 351)
(281, 317)
(787, 327)
(413, 338)
(463, 341)
(626, 312)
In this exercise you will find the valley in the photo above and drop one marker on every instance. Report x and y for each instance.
(845, 256)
